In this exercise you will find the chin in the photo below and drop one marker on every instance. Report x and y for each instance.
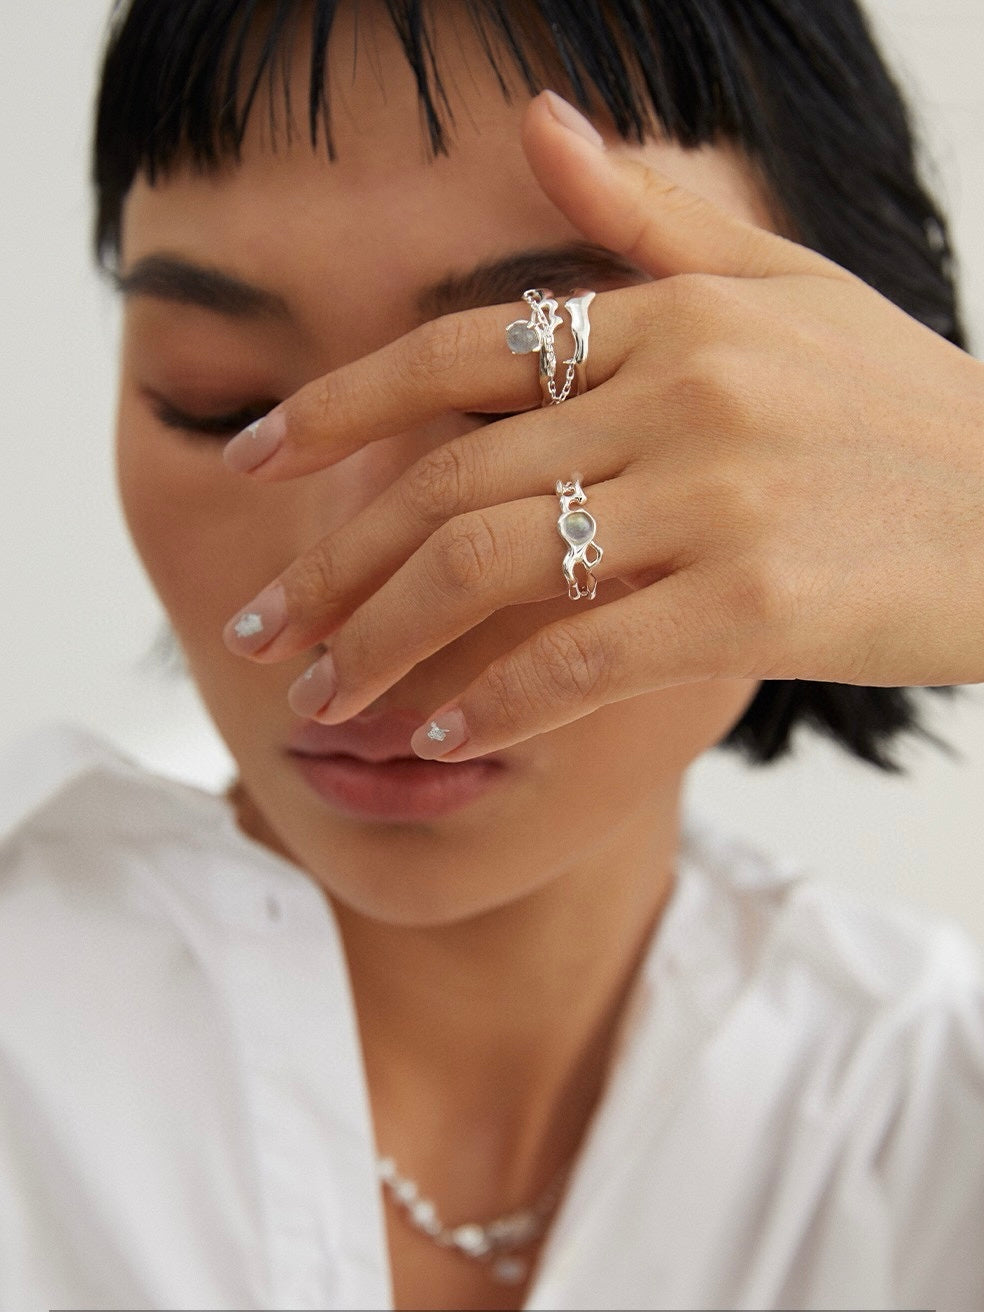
(417, 874)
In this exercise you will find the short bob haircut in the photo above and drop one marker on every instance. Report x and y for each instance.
(797, 85)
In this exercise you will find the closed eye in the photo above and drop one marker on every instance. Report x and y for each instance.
(231, 422)
(215, 425)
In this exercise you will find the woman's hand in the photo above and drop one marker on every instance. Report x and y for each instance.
(786, 471)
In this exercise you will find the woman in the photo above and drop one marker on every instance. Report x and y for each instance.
(450, 1007)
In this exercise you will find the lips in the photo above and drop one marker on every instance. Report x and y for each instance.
(366, 768)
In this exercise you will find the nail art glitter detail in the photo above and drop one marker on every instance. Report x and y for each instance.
(443, 734)
(249, 625)
(258, 623)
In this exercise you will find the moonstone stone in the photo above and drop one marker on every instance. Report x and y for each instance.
(521, 338)
(577, 527)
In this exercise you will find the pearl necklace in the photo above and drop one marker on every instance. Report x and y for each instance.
(496, 1242)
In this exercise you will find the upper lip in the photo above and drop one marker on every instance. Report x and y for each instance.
(384, 736)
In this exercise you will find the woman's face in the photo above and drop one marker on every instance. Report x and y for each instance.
(351, 248)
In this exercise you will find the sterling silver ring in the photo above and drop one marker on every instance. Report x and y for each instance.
(523, 336)
(577, 308)
(578, 528)
(537, 334)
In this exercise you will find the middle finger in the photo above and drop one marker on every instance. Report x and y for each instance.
(500, 463)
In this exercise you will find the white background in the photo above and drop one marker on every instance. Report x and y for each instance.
(81, 618)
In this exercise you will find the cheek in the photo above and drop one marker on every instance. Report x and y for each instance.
(626, 751)
(207, 539)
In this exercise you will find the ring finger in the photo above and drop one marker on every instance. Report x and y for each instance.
(473, 566)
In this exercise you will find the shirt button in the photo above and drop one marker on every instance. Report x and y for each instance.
(273, 909)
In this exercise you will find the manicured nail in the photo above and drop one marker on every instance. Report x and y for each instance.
(315, 688)
(258, 623)
(572, 119)
(250, 448)
(441, 735)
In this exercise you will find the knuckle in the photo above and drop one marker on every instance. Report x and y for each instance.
(656, 193)
(439, 486)
(439, 345)
(735, 509)
(466, 553)
(359, 648)
(758, 598)
(313, 585)
(330, 403)
(712, 384)
(704, 303)
(715, 633)
(662, 193)
(690, 291)
(759, 605)
(506, 695)
(570, 663)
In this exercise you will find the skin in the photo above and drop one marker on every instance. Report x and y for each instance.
(505, 936)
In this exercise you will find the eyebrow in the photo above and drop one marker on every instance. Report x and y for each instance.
(171, 278)
(561, 268)
(494, 282)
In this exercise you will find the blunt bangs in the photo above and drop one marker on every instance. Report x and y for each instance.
(181, 80)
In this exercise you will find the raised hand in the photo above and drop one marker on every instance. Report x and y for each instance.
(787, 474)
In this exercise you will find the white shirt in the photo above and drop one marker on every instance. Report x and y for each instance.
(794, 1118)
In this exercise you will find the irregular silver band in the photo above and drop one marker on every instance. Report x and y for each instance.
(577, 308)
(537, 334)
(578, 528)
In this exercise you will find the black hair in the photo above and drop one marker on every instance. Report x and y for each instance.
(797, 85)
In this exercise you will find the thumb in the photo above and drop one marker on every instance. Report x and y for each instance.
(628, 207)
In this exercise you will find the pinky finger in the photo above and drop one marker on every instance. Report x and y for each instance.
(668, 633)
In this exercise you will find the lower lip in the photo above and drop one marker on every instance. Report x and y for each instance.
(397, 790)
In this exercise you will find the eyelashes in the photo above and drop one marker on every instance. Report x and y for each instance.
(221, 426)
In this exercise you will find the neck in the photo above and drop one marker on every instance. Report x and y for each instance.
(487, 1042)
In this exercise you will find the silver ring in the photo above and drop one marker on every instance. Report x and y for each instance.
(523, 336)
(578, 528)
(537, 334)
(577, 307)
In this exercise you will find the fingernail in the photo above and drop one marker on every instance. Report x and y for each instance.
(315, 688)
(250, 448)
(258, 623)
(572, 119)
(441, 735)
